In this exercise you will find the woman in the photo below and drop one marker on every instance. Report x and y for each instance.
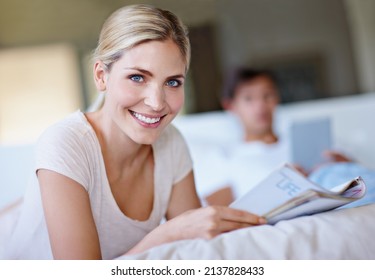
(105, 180)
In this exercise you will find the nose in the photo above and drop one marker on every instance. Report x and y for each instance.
(155, 98)
(262, 103)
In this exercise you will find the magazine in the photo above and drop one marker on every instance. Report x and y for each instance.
(286, 194)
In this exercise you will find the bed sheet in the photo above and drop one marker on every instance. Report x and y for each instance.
(339, 234)
(8, 218)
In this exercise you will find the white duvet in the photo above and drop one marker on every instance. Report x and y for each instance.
(339, 234)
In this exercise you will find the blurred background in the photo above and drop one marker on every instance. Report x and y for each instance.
(317, 48)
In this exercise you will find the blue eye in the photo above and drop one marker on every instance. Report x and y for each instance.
(136, 78)
(173, 83)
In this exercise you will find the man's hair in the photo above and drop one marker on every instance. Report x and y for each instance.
(239, 75)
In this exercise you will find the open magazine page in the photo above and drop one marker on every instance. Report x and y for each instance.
(313, 201)
(285, 194)
(280, 186)
(353, 188)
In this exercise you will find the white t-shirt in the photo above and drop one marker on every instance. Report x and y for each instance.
(249, 163)
(240, 165)
(71, 148)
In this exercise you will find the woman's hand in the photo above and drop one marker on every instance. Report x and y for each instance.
(204, 223)
(187, 220)
(210, 221)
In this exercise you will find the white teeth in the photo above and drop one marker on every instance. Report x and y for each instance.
(145, 119)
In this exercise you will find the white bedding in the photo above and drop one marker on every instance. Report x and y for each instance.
(341, 234)
(8, 218)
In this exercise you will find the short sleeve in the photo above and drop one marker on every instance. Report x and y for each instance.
(210, 168)
(61, 149)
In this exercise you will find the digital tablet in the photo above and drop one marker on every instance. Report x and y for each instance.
(308, 140)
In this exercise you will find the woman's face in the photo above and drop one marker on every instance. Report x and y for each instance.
(144, 90)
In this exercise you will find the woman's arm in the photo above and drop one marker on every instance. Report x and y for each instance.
(184, 197)
(70, 222)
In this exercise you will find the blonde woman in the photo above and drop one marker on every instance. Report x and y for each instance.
(106, 179)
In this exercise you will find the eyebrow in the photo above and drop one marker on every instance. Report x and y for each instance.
(146, 72)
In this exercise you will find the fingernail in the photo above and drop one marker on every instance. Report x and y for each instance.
(262, 221)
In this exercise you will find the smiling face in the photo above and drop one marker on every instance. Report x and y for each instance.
(144, 90)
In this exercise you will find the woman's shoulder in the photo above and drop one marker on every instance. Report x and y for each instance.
(66, 148)
(74, 125)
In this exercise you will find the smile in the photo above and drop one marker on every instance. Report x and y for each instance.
(145, 119)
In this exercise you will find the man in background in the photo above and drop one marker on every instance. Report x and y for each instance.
(252, 95)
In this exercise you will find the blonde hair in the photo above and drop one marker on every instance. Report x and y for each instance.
(135, 24)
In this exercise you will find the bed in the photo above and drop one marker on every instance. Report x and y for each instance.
(338, 235)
